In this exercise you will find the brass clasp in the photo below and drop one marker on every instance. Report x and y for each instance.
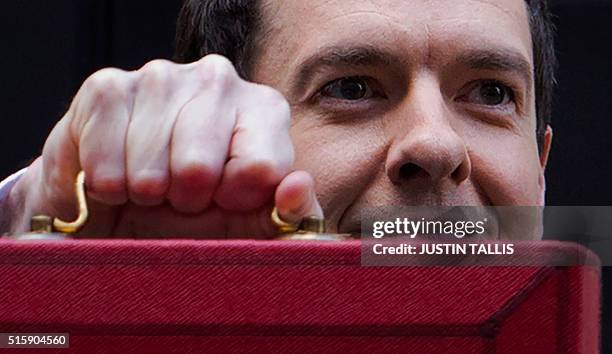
(47, 227)
(309, 229)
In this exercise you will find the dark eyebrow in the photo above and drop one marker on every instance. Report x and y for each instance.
(340, 56)
(498, 60)
(479, 59)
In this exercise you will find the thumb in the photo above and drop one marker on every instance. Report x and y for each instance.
(296, 199)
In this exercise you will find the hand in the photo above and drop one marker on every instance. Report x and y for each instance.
(170, 150)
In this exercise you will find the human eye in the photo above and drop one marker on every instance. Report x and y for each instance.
(351, 88)
(489, 93)
(350, 91)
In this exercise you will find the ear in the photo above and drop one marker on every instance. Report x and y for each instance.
(546, 147)
(543, 161)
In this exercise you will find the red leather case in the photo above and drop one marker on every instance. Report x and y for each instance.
(254, 296)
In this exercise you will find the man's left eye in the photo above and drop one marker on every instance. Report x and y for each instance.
(490, 93)
(348, 88)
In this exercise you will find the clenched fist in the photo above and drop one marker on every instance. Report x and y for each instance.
(170, 150)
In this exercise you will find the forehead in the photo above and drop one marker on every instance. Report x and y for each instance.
(421, 30)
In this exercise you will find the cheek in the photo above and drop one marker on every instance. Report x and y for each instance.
(507, 171)
(341, 159)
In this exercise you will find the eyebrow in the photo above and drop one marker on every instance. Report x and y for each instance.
(340, 56)
(498, 60)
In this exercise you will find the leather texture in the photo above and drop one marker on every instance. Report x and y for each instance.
(116, 296)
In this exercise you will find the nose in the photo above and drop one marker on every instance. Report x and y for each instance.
(426, 146)
(426, 154)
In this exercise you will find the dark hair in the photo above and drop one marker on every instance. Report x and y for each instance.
(226, 27)
(544, 62)
(231, 27)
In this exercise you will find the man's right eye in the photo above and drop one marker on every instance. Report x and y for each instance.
(352, 88)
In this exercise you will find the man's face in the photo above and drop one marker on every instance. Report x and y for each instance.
(395, 102)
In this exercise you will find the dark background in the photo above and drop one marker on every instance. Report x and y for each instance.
(50, 47)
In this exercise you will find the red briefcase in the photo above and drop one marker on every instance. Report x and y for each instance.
(254, 296)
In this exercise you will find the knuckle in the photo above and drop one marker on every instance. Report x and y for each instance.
(195, 173)
(218, 71)
(264, 171)
(106, 184)
(156, 72)
(148, 185)
(105, 87)
(193, 185)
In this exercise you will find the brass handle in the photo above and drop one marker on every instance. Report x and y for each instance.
(311, 228)
(47, 224)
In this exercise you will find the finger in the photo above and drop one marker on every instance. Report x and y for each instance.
(149, 132)
(102, 135)
(261, 152)
(62, 154)
(60, 165)
(202, 135)
(296, 199)
(200, 146)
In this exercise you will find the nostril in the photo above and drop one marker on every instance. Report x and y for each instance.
(409, 171)
(457, 174)
(462, 172)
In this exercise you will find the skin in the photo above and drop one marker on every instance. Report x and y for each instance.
(184, 150)
(466, 153)
(170, 150)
